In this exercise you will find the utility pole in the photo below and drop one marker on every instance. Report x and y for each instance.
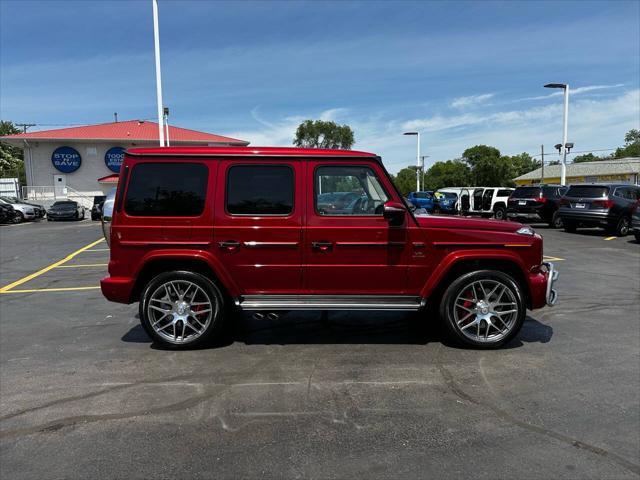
(422, 157)
(542, 155)
(25, 126)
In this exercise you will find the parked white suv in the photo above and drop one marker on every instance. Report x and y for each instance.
(486, 201)
(23, 211)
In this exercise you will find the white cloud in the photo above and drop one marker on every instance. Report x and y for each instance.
(471, 100)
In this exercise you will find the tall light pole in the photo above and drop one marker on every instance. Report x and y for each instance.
(156, 43)
(418, 159)
(563, 168)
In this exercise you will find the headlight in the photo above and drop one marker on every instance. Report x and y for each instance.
(525, 231)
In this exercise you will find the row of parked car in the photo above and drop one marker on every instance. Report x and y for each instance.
(614, 207)
(15, 210)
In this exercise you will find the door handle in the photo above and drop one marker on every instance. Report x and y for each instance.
(230, 245)
(322, 246)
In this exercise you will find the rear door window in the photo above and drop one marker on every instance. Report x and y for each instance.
(588, 191)
(260, 190)
(167, 190)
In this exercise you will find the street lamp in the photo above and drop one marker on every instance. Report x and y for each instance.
(417, 134)
(563, 168)
(156, 45)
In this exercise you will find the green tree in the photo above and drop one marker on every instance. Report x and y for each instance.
(452, 173)
(488, 168)
(523, 163)
(323, 134)
(586, 157)
(405, 180)
(631, 145)
(11, 158)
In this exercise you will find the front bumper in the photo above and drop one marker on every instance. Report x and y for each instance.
(552, 295)
(62, 215)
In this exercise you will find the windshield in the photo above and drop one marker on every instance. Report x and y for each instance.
(526, 192)
(591, 191)
(64, 204)
(422, 195)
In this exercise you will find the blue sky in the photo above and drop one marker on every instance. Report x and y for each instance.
(462, 73)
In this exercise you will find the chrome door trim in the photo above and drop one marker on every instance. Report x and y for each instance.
(253, 244)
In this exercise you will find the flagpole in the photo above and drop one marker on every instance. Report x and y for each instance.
(156, 41)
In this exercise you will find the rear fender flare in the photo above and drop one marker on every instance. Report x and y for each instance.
(220, 272)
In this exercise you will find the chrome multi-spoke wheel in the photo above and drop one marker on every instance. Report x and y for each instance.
(485, 311)
(180, 308)
(483, 308)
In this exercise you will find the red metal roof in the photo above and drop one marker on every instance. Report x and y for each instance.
(109, 179)
(131, 130)
(247, 152)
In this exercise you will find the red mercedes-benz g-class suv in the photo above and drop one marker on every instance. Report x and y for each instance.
(198, 231)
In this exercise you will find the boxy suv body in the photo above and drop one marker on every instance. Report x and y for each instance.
(537, 203)
(198, 232)
(608, 206)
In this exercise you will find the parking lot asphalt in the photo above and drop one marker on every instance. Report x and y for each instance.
(84, 393)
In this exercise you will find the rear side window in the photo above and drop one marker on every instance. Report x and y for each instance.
(260, 190)
(167, 190)
(504, 193)
(550, 191)
(589, 191)
(526, 192)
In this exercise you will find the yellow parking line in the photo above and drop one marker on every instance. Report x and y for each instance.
(98, 250)
(6, 288)
(61, 289)
(84, 265)
(553, 259)
(611, 238)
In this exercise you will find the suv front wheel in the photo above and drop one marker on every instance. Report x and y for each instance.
(181, 309)
(483, 309)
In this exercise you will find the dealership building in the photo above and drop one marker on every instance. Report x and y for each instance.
(80, 162)
(622, 170)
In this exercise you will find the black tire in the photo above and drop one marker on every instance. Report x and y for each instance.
(637, 235)
(556, 221)
(214, 329)
(623, 227)
(452, 327)
(500, 213)
(570, 227)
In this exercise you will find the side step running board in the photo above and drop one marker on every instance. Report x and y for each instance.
(324, 302)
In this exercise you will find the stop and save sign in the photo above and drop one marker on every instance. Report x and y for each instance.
(66, 159)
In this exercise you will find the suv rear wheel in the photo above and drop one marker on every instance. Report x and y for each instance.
(556, 220)
(622, 228)
(181, 309)
(483, 309)
(500, 213)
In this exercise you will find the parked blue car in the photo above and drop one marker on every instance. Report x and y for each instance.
(421, 200)
(445, 202)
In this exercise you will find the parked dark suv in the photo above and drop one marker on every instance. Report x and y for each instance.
(608, 206)
(537, 203)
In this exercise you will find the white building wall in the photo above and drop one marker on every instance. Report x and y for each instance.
(84, 180)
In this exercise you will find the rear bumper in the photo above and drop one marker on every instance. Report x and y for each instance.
(588, 218)
(117, 289)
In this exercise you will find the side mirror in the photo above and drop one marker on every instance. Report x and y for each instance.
(395, 213)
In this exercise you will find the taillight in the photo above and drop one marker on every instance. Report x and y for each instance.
(541, 199)
(603, 203)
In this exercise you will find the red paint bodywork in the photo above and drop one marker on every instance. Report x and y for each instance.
(368, 256)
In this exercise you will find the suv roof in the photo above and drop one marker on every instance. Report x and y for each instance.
(248, 152)
(610, 185)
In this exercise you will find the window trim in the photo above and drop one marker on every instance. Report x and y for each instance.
(315, 191)
(281, 215)
(129, 176)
